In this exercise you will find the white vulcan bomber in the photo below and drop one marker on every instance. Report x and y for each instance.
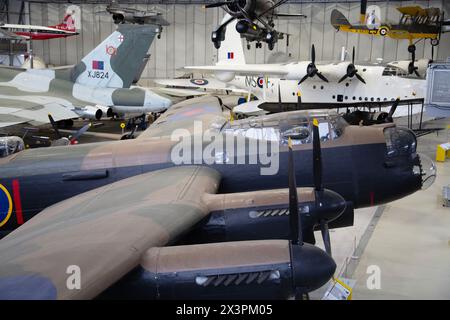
(308, 84)
(99, 85)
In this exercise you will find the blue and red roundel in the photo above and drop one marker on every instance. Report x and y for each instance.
(199, 82)
(260, 82)
(5, 205)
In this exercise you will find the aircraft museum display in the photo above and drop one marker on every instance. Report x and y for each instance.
(99, 85)
(254, 21)
(129, 199)
(306, 84)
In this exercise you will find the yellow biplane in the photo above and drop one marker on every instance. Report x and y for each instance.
(416, 23)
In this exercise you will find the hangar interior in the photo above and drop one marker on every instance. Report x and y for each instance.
(398, 249)
(187, 41)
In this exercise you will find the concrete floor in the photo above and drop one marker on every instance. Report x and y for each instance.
(411, 242)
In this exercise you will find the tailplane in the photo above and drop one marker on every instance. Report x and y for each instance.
(338, 19)
(116, 61)
(231, 50)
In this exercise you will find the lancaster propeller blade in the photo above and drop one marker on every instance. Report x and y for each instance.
(317, 157)
(392, 111)
(296, 235)
(55, 126)
(325, 236)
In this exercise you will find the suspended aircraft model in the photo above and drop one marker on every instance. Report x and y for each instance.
(416, 24)
(123, 202)
(255, 21)
(122, 14)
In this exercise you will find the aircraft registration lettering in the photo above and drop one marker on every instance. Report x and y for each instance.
(98, 74)
(5, 205)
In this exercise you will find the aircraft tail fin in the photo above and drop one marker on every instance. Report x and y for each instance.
(231, 50)
(116, 61)
(338, 19)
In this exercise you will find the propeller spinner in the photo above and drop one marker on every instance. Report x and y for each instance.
(311, 70)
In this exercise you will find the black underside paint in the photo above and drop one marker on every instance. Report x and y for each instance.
(356, 172)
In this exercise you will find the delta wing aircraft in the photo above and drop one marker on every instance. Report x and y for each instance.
(305, 85)
(100, 84)
(194, 177)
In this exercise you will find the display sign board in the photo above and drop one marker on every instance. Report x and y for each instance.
(437, 99)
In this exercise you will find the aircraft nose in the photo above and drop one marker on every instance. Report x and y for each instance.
(427, 170)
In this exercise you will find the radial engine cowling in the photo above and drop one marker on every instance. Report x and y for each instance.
(260, 269)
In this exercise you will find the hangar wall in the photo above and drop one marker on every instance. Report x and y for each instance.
(187, 40)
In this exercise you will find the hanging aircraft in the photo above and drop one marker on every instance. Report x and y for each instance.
(123, 202)
(67, 28)
(99, 85)
(255, 21)
(416, 24)
(306, 84)
(122, 14)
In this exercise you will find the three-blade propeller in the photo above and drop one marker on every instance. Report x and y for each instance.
(352, 71)
(311, 70)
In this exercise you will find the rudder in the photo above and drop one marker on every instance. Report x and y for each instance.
(116, 61)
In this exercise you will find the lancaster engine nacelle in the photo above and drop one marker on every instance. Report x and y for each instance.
(264, 269)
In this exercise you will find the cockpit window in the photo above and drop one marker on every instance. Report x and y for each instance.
(400, 142)
(394, 71)
(298, 128)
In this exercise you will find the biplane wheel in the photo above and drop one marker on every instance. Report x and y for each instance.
(217, 44)
(383, 31)
(434, 42)
(411, 48)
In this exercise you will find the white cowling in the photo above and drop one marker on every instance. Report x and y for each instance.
(224, 76)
